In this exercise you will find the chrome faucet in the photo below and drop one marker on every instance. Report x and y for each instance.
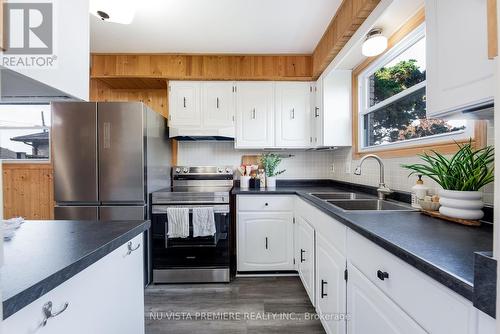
(382, 190)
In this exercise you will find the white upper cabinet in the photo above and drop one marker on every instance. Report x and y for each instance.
(317, 114)
(62, 55)
(202, 108)
(184, 103)
(331, 112)
(218, 104)
(459, 74)
(254, 115)
(293, 114)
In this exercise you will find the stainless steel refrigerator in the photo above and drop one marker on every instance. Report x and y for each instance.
(108, 157)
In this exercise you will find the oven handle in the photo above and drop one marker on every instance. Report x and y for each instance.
(158, 209)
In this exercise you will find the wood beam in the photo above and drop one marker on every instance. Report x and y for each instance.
(349, 17)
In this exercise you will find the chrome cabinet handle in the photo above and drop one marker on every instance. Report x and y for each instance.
(292, 113)
(253, 113)
(47, 312)
(302, 259)
(267, 244)
(316, 112)
(184, 102)
(217, 103)
(131, 249)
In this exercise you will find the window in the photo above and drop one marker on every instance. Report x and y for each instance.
(24, 132)
(392, 106)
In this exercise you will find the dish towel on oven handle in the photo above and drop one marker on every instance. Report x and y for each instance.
(203, 222)
(178, 222)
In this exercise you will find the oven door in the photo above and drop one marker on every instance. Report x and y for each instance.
(190, 252)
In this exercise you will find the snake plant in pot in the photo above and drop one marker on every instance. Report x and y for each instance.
(270, 162)
(461, 176)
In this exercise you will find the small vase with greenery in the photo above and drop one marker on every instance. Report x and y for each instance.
(461, 176)
(270, 162)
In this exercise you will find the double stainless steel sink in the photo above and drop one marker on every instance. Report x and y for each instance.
(349, 201)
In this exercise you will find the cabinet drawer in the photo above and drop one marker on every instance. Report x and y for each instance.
(264, 203)
(436, 308)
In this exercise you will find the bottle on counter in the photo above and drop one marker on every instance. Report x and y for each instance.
(418, 192)
(262, 177)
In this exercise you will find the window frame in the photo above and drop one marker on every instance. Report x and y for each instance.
(410, 33)
(34, 128)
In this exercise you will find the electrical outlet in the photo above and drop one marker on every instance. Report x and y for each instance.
(348, 168)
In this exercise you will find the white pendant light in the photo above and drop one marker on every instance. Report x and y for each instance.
(117, 11)
(374, 44)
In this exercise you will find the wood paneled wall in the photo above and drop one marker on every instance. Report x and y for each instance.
(203, 67)
(28, 190)
(156, 99)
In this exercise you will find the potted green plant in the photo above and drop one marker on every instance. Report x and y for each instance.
(461, 176)
(270, 162)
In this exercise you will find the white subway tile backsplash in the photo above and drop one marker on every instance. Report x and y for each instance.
(302, 165)
(317, 164)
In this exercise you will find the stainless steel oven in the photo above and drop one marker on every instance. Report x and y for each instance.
(192, 259)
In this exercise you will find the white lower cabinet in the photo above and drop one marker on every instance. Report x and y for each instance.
(331, 286)
(265, 241)
(107, 297)
(381, 295)
(371, 311)
(305, 255)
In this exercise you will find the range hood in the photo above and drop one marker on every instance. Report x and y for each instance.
(483, 110)
(19, 89)
(201, 134)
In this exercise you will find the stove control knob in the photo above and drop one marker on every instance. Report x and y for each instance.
(228, 170)
(185, 170)
(177, 170)
(220, 170)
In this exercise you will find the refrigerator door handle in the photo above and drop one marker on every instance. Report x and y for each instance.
(106, 129)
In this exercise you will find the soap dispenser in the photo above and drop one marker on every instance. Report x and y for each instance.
(418, 192)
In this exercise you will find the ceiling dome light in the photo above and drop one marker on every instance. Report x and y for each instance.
(374, 44)
(117, 11)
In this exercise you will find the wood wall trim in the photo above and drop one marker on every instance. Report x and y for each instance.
(349, 17)
(447, 147)
(202, 67)
(28, 190)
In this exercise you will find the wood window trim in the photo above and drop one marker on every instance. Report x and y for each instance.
(444, 147)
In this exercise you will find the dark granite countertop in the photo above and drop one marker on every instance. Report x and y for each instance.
(44, 254)
(440, 249)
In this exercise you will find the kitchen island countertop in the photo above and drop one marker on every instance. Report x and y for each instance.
(44, 254)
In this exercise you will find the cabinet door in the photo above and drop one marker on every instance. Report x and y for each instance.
(255, 115)
(459, 73)
(305, 255)
(265, 241)
(184, 103)
(330, 285)
(218, 104)
(371, 311)
(293, 114)
(107, 297)
(317, 111)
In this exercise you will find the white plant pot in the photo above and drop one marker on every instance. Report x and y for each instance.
(271, 181)
(244, 182)
(461, 204)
